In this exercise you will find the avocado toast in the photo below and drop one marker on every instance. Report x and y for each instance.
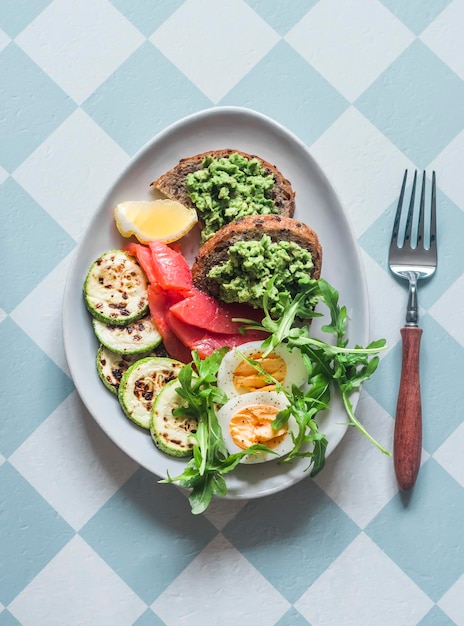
(224, 185)
(237, 263)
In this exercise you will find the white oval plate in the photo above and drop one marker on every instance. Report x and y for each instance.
(316, 204)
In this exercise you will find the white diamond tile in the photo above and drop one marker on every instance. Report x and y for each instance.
(338, 51)
(71, 171)
(80, 44)
(221, 511)
(45, 326)
(445, 164)
(213, 57)
(69, 459)
(3, 175)
(364, 487)
(3, 315)
(362, 165)
(444, 36)
(445, 312)
(220, 587)
(449, 454)
(452, 602)
(77, 587)
(370, 589)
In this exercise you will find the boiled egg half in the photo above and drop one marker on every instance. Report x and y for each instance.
(236, 376)
(246, 420)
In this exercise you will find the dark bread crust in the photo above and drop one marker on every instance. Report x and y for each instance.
(172, 183)
(252, 228)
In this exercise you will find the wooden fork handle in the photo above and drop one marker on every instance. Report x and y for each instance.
(407, 444)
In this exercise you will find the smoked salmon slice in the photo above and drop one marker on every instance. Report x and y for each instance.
(206, 341)
(172, 272)
(201, 310)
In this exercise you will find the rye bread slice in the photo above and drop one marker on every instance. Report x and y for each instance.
(252, 228)
(172, 183)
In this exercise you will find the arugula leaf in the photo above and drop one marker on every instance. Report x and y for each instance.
(347, 367)
(303, 407)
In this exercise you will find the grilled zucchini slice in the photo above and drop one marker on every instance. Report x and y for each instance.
(137, 337)
(141, 384)
(115, 289)
(172, 434)
(111, 367)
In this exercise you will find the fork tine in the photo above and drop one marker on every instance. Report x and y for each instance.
(408, 228)
(396, 223)
(420, 225)
(433, 215)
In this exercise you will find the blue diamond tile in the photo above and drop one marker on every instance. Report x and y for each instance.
(441, 379)
(148, 619)
(32, 106)
(292, 618)
(436, 617)
(282, 16)
(305, 102)
(415, 92)
(407, 529)
(450, 226)
(32, 244)
(298, 530)
(6, 619)
(31, 533)
(28, 369)
(17, 14)
(147, 534)
(147, 15)
(416, 14)
(146, 94)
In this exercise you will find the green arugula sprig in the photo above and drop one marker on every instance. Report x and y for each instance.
(303, 406)
(204, 474)
(347, 367)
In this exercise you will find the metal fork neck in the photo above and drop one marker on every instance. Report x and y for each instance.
(412, 311)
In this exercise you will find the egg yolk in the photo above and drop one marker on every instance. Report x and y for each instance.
(252, 424)
(246, 378)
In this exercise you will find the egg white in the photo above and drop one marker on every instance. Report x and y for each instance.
(269, 398)
(296, 370)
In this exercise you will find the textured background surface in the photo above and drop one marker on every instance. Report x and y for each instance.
(86, 536)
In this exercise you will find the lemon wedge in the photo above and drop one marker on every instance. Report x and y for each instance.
(155, 220)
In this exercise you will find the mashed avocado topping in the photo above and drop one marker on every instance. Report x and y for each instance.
(228, 188)
(251, 264)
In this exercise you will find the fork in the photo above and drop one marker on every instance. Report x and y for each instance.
(411, 260)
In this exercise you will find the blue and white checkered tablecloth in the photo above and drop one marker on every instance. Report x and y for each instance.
(86, 535)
